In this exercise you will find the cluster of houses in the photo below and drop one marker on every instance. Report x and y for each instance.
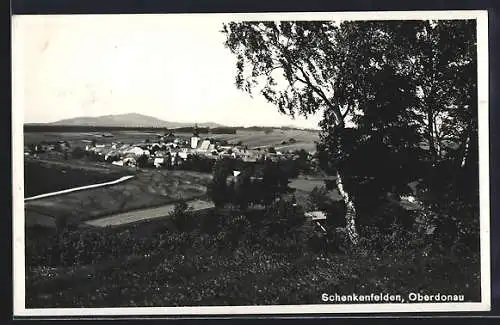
(172, 150)
(167, 149)
(47, 146)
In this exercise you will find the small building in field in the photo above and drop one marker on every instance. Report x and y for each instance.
(316, 215)
(318, 218)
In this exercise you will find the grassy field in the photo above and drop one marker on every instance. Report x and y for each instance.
(41, 176)
(304, 139)
(80, 139)
(147, 189)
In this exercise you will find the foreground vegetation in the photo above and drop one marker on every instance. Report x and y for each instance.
(222, 257)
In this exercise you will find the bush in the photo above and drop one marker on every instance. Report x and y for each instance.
(199, 163)
(181, 217)
(319, 200)
(142, 161)
(78, 153)
(218, 190)
(61, 223)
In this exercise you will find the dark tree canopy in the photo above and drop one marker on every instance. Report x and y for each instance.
(399, 98)
(402, 83)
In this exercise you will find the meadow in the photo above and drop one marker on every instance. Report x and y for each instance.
(42, 176)
(254, 139)
(146, 189)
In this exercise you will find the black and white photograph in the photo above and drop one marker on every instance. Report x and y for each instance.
(271, 163)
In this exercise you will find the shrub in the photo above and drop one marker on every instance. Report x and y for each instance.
(181, 217)
(61, 223)
(142, 161)
(218, 190)
(78, 153)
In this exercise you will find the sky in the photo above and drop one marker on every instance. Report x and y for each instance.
(171, 67)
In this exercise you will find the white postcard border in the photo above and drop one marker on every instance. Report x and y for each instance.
(483, 92)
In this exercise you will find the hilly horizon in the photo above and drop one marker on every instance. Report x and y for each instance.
(127, 120)
(137, 120)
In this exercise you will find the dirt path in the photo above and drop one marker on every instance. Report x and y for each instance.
(145, 214)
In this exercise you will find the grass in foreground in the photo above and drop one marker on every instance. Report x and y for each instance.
(222, 258)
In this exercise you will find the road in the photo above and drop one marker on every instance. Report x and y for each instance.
(80, 188)
(145, 214)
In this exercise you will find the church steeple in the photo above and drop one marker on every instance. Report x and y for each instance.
(195, 130)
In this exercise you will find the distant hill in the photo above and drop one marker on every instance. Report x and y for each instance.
(135, 120)
(127, 120)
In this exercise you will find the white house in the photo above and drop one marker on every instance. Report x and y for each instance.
(194, 142)
(205, 145)
(137, 151)
(158, 161)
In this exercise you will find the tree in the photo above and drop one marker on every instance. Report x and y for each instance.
(244, 192)
(167, 162)
(78, 153)
(274, 183)
(142, 161)
(61, 222)
(180, 216)
(396, 82)
(297, 50)
(218, 188)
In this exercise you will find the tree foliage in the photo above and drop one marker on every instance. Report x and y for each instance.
(407, 90)
(218, 189)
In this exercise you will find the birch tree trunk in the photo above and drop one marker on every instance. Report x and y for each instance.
(466, 152)
(350, 214)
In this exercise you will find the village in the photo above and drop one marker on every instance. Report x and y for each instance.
(167, 150)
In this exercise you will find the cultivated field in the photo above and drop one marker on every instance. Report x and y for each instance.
(304, 139)
(82, 138)
(147, 189)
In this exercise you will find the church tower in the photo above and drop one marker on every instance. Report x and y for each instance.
(195, 139)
